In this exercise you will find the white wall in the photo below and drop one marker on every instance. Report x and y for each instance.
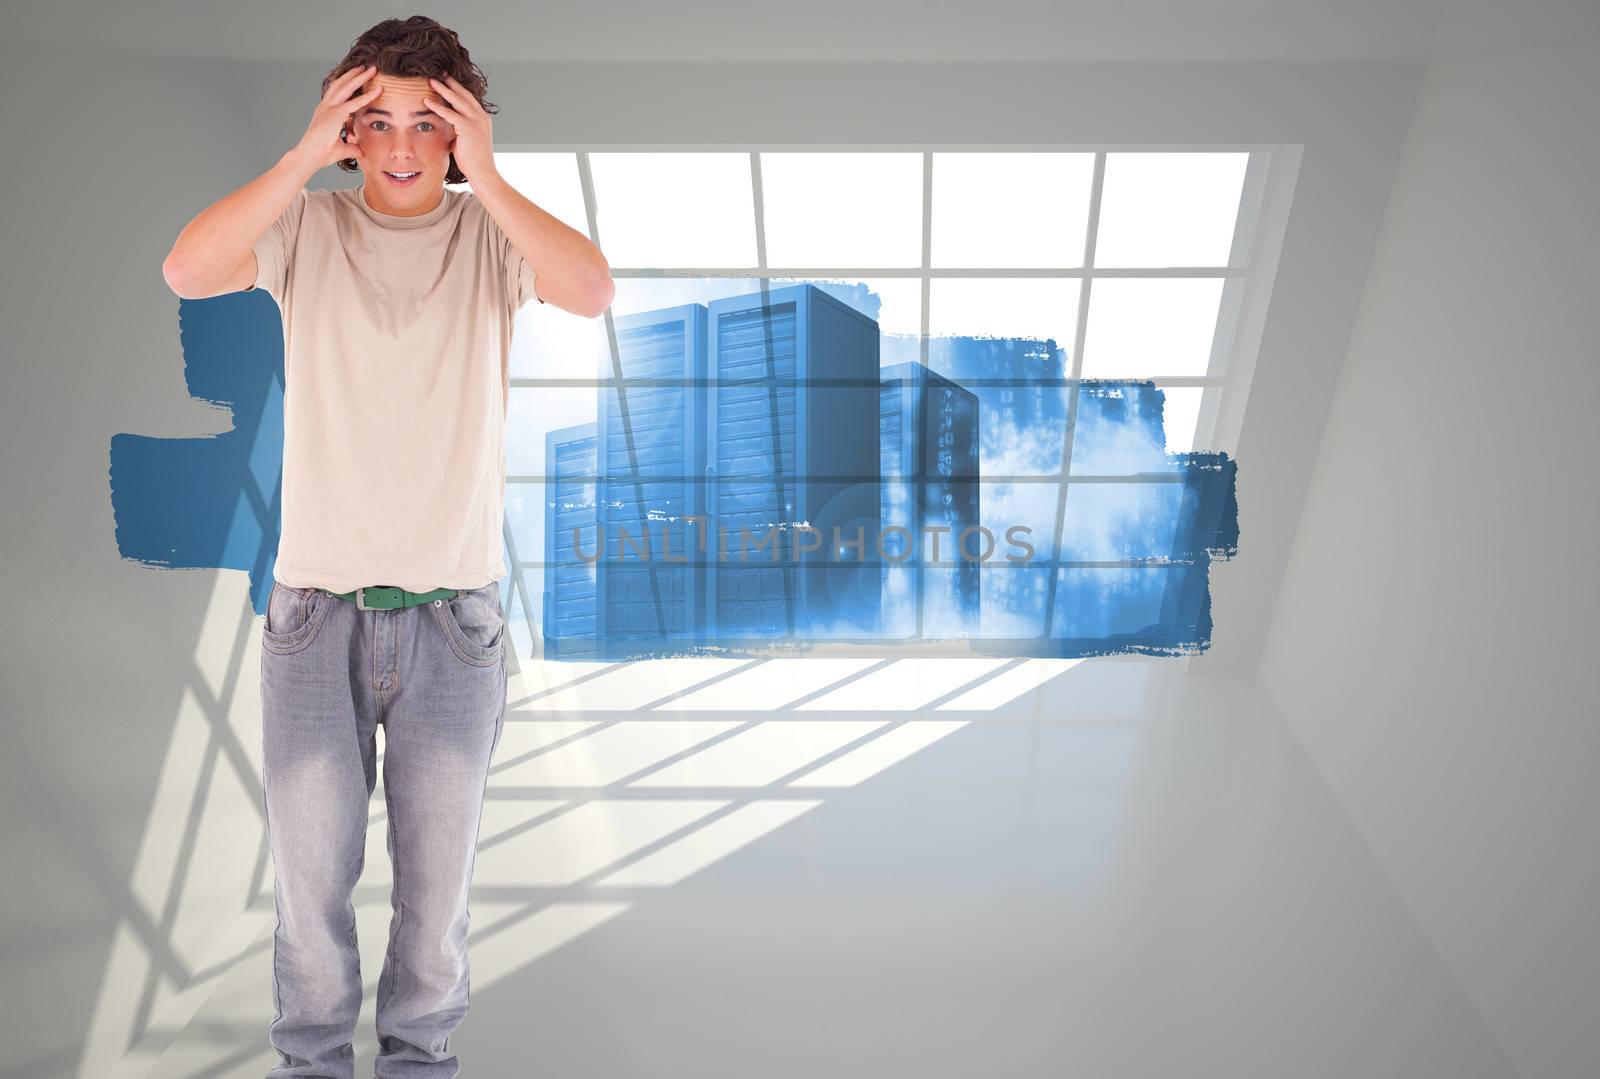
(1434, 640)
(129, 694)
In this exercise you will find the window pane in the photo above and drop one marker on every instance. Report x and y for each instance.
(1178, 209)
(842, 209)
(1109, 522)
(1180, 416)
(549, 179)
(1012, 594)
(1029, 508)
(533, 412)
(1035, 308)
(540, 521)
(1147, 327)
(899, 312)
(548, 342)
(1118, 430)
(1018, 211)
(949, 595)
(1010, 334)
(674, 210)
(1147, 603)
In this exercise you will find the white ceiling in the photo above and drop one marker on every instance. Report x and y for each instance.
(863, 30)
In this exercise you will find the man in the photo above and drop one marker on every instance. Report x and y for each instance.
(398, 299)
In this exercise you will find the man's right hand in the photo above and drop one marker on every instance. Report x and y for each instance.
(321, 142)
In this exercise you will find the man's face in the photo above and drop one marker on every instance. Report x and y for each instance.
(399, 135)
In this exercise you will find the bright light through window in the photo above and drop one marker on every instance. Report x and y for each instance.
(1016, 210)
(674, 210)
(1176, 209)
(843, 209)
(1042, 308)
(1140, 327)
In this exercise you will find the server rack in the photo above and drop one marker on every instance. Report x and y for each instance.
(569, 580)
(929, 452)
(786, 447)
(650, 487)
(1026, 391)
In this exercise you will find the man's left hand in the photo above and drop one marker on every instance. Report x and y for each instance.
(473, 145)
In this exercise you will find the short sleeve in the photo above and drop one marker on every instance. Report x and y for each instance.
(516, 275)
(275, 249)
(519, 280)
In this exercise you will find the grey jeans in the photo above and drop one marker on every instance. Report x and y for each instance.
(434, 676)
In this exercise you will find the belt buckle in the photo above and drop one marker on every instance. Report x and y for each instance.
(361, 601)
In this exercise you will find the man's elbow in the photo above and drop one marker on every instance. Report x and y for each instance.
(181, 280)
(602, 296)
(175, 280)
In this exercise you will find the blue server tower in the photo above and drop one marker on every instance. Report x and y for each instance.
(929, 450)
(650, 487)
(569, 578)
(1021, 390)
(785, 447)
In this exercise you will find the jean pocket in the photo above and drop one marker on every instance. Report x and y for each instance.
(293, 617)
(473, 625)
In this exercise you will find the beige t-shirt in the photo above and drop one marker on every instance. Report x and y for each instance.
(397, 342)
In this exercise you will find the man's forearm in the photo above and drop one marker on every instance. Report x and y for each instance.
(222, 235)
(572, 273)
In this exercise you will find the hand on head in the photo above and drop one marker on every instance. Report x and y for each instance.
(326, 134)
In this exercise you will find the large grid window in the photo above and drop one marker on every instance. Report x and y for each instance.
(1087, 264)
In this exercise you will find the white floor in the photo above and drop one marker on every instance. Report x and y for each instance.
(901, 870)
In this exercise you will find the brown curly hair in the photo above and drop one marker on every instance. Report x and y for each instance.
(415, 48)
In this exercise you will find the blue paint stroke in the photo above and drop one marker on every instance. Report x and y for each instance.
(212, 502)
(1160, 517)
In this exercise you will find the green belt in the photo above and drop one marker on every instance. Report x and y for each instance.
(388, 597)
